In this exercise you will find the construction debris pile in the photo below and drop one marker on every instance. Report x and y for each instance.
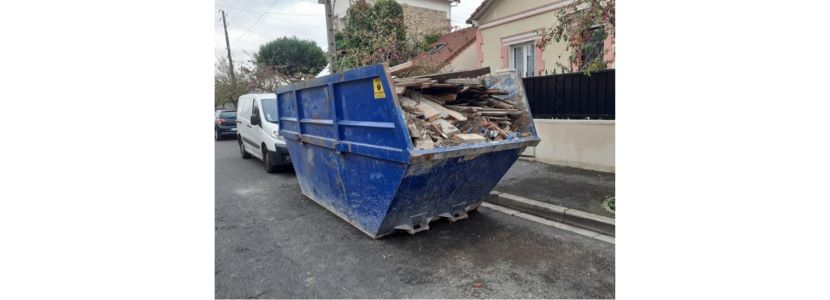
(441, 111)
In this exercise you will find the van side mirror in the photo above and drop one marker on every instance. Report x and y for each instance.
(254, 120)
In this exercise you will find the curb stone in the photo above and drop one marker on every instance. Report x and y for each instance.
(578, 218)
(552, 223)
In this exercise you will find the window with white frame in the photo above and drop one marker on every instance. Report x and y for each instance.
(522, 58)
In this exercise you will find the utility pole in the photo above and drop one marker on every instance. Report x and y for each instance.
(228, 44)
(330, 31)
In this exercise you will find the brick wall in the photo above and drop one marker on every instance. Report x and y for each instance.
(420, 21)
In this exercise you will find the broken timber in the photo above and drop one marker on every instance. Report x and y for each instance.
(459, 74)
(457, 108)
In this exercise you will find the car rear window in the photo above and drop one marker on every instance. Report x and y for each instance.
(227, 114)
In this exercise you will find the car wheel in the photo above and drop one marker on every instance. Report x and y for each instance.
(266, 160)
(245, 155)
(216, 135)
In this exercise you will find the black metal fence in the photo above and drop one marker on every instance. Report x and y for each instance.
(572, 95)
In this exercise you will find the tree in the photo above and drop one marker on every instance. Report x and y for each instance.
(224, 91)
(290, 58)
(277, 63)
(373, 34)
(250, 78)
(259, 78)
(584, 24)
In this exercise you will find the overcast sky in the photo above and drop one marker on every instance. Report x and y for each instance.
(252, 23)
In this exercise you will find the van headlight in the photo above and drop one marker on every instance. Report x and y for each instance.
(276, 134)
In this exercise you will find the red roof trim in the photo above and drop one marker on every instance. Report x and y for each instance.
(454, 42)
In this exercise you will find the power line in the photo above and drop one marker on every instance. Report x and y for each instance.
(270, 13)
(247, 32)
(232, 15)
(217, 23)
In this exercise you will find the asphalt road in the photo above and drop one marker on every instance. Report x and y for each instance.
(273, 242)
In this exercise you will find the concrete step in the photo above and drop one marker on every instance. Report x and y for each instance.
(549, 211)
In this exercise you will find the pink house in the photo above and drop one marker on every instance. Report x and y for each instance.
(509, 36)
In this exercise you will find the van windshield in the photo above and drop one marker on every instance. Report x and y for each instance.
(269, 108)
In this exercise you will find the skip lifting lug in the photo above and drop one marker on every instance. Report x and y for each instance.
(418, 223)
(458, 212)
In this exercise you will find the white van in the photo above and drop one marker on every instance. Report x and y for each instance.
(258, 128)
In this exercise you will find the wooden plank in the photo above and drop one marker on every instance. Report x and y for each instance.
(443, 110)
(468, 138)
(395, 70)
(437, 129)
(424, 143)
(413, 131)
(501, 132)
(444, 86)
(400, 90)
(466, 81)
(469, 109)
(496, 92)
(406, 102)
(447, 128)
(429, 112)
(493, 113)
(411, 113)
(459, 74)
(499, 104)
(410, 81)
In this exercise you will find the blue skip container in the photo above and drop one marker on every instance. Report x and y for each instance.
(353, 155)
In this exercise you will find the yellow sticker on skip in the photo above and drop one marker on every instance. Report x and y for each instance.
(379, 94)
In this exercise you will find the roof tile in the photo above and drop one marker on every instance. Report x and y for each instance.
(453, 43)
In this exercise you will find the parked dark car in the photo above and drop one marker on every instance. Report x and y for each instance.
(225, 121)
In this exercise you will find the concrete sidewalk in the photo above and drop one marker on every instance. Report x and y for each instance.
(572, 188)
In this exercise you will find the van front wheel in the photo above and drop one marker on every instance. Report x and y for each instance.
(266, 160)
